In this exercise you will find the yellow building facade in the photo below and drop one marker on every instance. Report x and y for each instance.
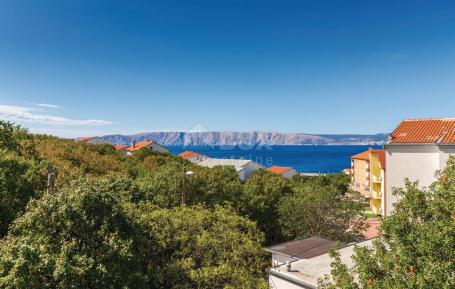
(360, 177)
(368, 177)
(377, 180)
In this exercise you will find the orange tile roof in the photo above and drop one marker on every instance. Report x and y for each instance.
(431, 130)
(188, 155)
(362, 156)
(120, 147)
(278, 170)
(139, 145)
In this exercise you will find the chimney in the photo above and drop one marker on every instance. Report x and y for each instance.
(133, 144)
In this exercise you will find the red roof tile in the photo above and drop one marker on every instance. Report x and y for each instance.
(120, 147)
(278, 170)
(434, 130)
(139, 145)
(362, 156)
(188, 155)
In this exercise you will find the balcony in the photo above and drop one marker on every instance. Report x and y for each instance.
(375, 206)
(376, 194)
(376, 179)
(376, 210)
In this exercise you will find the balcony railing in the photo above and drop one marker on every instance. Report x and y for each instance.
(376, 194)
(376, 179)
(376, 210)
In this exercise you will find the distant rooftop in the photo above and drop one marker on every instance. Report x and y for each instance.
(306, 248)
(139, 145)
(305, 272)
(362, 156)
(120, 147)
(189, 154)
(237, 163)
(278, 170)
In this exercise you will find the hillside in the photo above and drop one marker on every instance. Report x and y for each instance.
(247, 138)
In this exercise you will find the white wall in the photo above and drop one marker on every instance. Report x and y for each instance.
(444, 153)
(250, 168)
(383, 191)
(279, 283)
(416, 162)
(158, 148)
(197, 159)
(289, 174)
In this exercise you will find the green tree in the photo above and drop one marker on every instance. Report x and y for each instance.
(20, 180)
(96, 233)
(318, 208)
(163, 187)
(11, 136)
(22, 173)
(262, 192)
(79, 237)
(201, 248)
(72, 160)
(220, 185)
(416, 248)
(207, 186)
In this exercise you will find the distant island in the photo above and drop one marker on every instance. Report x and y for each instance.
(247, 138)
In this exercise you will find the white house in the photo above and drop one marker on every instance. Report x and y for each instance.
(243, 167)
(284, 171)
(121, 149)
(305, 272)
(416, 149)
(135, 146)
(193, 157)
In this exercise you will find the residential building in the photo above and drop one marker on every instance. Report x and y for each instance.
(95, 140)
(146, 144)
(377, 180)
(360, 178)
(284, 171)
(193, 157)
(305, 272)
(243, 167)
(416, 150)
(121, 149)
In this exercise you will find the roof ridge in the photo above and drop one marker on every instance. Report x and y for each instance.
(429, 118)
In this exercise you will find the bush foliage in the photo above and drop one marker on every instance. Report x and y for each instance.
(113, 221)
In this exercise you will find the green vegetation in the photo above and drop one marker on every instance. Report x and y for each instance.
(318, 209)
(113, 221)
(417, 246)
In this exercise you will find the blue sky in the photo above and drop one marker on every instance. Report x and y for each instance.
(294, 66)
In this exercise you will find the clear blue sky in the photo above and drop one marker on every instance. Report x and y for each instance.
(294, 66)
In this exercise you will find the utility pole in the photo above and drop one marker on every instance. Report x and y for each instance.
(184, 176)
(183, 188)
(50, 182)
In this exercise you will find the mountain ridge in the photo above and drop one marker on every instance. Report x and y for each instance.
(219, 138)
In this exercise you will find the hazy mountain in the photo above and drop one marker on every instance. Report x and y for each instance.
(246, 138)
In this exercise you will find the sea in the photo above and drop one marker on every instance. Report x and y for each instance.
(303, 158)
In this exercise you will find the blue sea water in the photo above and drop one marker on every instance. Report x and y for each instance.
(305, 158)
